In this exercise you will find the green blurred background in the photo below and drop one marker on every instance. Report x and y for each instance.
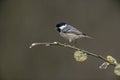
(23, 22)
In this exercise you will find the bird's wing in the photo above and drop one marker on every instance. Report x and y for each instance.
(71, 29)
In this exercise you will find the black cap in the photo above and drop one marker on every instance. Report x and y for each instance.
(60, 24)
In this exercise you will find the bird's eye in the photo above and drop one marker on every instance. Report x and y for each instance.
(58, 29)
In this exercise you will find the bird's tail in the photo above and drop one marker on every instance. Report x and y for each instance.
(86, 36)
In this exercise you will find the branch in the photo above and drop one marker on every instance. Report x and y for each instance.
(107, 61)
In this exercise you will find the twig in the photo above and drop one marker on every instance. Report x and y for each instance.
(73, 47)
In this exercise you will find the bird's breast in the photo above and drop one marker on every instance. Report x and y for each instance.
(69, 36)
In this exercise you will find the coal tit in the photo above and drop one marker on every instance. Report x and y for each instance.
(69, 32)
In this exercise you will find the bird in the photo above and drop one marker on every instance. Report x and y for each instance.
(69, 32)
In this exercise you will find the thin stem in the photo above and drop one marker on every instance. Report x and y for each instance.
(75, 48)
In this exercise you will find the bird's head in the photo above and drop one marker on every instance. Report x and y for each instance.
(60, 26)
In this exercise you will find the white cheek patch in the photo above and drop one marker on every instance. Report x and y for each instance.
(62, 27)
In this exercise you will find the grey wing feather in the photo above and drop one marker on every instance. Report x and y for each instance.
(71, 29)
